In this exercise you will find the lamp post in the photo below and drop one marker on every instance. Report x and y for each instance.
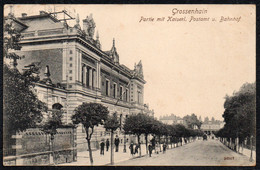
(125, 139)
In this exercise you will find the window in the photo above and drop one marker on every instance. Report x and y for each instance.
(70, 65)
(70, 51)
(70, 71)
(114, 90)
(70, 78)
(121, 92)
(107, 87)
(82, 70)
(126, 95)
(139, 97)
(70, 58)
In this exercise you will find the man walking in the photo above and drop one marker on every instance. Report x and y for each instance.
(117, 143)
(150, 148)
(131, 147)
(136, 148)
(107, 144)
(164, 147)
(102, 147)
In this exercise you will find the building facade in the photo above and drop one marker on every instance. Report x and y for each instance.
(74, 69)
(211, 126)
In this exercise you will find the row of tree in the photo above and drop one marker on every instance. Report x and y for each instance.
(240, 113)
(93, 114)
(240, 118)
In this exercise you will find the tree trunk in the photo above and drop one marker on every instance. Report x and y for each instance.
(160, 143)
(138, 138)
(146, 143)
(251, 148)
(90, 152)
(112, 148)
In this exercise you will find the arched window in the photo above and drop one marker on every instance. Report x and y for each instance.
(57, 106)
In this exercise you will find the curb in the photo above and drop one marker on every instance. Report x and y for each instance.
(125, 160)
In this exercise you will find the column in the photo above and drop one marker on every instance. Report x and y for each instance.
(98, 75)
(90, 77)
(84, 74)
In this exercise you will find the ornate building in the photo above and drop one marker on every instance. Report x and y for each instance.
(74, 69)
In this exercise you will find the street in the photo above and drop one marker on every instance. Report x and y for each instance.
(204, 153)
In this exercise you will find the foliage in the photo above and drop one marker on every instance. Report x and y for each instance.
(112, 123)
(54, 121)
(90, 115)
(192, 120)
(240, 113)
(22, 108)
(11, 40)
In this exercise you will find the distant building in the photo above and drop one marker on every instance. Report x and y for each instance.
(172, 119)
(209, 127)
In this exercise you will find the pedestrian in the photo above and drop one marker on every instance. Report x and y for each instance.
(107, 144)
(150, 148)
(153, 143)
(157, 148)
(102, 147)
(131, 147)
(164, 147)
(117, 143)
(136, 148)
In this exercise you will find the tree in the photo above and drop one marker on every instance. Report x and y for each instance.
(135, 124)
(206, 119)
(180, 132)
(90, 115)
(240, 114)
(112, 124)
(11, 40)
(147, 126)
(22, 109)
(192, 120)
(51, 125)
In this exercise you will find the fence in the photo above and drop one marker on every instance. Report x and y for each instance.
(33, 147)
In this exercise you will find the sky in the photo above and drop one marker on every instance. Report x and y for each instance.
(189, 67)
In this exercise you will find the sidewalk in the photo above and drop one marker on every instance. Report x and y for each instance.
(83, 157)
(245, 151)
(99, 160)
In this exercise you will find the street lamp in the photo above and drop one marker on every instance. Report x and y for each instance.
(125, 139)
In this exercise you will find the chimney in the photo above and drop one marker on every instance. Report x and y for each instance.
(24, 15)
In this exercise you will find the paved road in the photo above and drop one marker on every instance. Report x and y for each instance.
(208, 153)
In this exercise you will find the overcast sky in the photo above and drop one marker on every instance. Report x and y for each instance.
(189, 66)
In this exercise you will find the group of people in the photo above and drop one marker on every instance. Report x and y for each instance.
(153, 145)
(133, 148)
(107, 144)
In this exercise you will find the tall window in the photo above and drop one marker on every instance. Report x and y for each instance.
(114, 90)
(121, 92)
(107, 87)
(138, 97)
(82, 79)
(87, 77)
(126, 95)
